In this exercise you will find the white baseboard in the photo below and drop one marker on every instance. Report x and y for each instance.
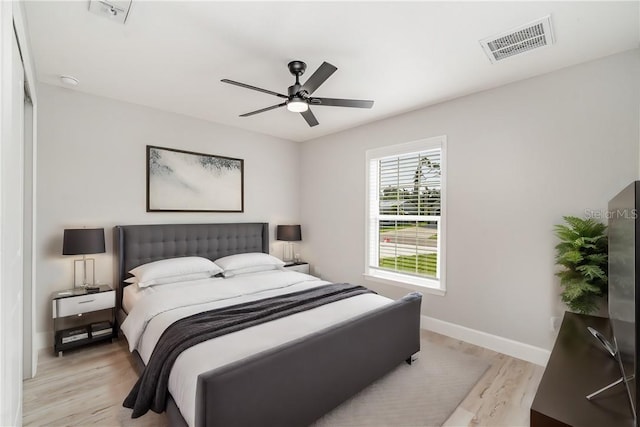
(512, 348)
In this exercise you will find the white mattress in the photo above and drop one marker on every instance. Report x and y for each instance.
(153, 311)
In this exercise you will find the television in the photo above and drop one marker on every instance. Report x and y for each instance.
(624, 285)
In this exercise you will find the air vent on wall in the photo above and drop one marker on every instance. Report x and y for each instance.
(518, 40)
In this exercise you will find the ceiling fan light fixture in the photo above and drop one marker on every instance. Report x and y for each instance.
(297, 105)
(298, 98)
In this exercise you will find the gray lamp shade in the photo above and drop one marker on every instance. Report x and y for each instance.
(289, 233)
(83, 241)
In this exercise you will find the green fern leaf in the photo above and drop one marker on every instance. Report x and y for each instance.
(569, 258)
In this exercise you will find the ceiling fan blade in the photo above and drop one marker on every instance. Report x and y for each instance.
(253, 88)
(336, 102)
(310, 118)
(323, 72)
(273, 107)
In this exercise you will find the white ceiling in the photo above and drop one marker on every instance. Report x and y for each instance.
(403, 55)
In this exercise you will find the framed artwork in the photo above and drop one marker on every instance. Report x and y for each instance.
(184, 181)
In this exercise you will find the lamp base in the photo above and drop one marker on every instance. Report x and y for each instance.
(287, 253)
(92, 289)
(86, 271)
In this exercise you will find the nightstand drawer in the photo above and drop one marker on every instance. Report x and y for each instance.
(83, 303)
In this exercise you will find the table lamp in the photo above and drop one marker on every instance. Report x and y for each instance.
(83, 241)
(290, 234)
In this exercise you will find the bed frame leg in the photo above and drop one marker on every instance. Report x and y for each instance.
(412, 359)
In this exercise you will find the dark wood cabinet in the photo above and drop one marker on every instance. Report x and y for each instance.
(578, 366)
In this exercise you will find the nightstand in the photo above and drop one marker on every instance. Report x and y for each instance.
(301, 267)
(81, 317)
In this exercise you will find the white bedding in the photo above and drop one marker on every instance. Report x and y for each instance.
(154, 311)
(133, 293)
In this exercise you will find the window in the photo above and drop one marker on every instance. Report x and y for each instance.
(405, 213)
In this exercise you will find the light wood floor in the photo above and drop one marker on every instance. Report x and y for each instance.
(87, 386)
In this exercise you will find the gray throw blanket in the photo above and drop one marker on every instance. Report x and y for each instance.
(150, 392)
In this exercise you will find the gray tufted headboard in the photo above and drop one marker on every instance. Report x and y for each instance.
(140, 244)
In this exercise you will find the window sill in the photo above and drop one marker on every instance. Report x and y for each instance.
(411, 286)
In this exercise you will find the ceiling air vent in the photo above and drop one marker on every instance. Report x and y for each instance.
(518, 40)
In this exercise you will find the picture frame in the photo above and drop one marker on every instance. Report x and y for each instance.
(187, 181)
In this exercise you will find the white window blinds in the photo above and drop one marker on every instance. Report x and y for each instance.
(405, 212)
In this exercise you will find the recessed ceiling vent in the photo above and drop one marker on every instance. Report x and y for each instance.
(518, 40)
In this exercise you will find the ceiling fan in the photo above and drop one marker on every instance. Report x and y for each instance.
(299, 98)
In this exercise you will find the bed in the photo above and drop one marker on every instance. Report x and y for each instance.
(289, 381)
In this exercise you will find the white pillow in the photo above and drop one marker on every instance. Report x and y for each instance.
(174, 267)
(168, 280)
(252, 259)
(254, 269)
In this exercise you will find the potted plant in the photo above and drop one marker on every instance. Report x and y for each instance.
(582, 252)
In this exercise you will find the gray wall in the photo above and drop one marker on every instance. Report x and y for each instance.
(91, 172)
(519, 158)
